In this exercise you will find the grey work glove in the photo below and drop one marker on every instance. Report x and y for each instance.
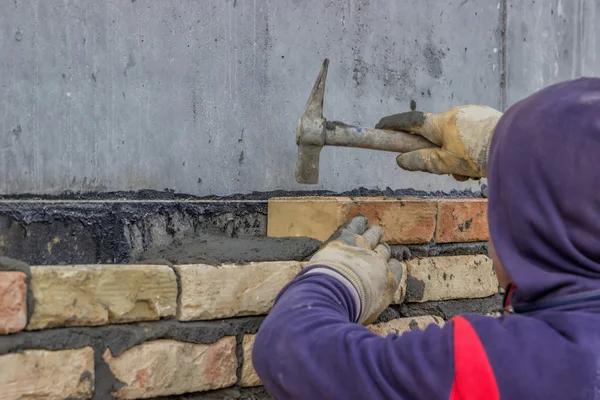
(360, 262)
(463, 134)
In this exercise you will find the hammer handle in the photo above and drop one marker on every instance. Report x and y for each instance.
(374, 139)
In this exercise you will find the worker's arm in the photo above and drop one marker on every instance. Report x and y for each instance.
(463, 134)
(309, 348)
(312, 346)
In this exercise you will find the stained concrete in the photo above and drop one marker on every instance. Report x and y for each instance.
(202, 97)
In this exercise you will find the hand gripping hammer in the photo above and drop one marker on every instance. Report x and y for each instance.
(314, 132)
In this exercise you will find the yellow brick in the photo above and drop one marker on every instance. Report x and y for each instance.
(168, 367)
(209, 292)
(47, 375)
(101, 294)
(401, 325)
(446, 278)
(249, 376)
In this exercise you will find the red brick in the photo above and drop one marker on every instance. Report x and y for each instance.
(462, 221)
(404, 221)
(13, 302)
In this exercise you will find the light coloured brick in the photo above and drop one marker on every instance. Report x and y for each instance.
(101, 294)
(168, 367)
(404, 221)
(455, 277)
(462, 221)
(47, 375)
(401, 325)
(13, 302)
(400, 294)
(249, 376)
(315, 217)
(225, 291)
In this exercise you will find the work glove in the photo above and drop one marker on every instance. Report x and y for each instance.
(359, 261)
(463, 135)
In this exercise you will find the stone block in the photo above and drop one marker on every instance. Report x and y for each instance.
(13, 302)
(249, 376)
(446, 278)
(90, 295)
(404, 221)
(315, 217)
(168, 367)
(462, 221)
(401, 325)
(230, 290)
(47, 375)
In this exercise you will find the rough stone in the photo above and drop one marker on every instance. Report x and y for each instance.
(314, 217)
(249, 376)
(456, 277)
(48, 375)
(13, 302)
(101, 294)
(400, 294)
(209, 292)
(462, 221)
(168, 367)
(401, 325)
(404, 221)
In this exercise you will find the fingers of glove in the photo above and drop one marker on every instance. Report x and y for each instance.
(435, 161)
(412, 121)
(372, 236)
(358, 225)
(395, 268)
(383, 251)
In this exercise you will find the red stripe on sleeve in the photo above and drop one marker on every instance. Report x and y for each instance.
(473, 375)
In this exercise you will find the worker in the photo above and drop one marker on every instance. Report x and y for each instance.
(542, 162)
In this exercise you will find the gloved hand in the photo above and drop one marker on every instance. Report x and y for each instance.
(463, 134)
(360, 262)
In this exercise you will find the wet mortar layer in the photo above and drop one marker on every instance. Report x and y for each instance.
(233, 393)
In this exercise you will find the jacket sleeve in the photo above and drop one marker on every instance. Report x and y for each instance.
(307, 348)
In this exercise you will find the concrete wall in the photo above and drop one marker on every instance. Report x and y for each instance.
(203, 96)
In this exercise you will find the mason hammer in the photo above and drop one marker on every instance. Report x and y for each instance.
(314, 132)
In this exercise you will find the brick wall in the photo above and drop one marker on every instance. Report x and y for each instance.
(165, 328)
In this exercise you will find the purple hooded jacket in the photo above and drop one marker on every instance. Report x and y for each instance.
(544, 219)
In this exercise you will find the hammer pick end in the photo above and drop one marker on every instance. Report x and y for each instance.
(314, 106)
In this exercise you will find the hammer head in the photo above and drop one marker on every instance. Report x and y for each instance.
(310, 134)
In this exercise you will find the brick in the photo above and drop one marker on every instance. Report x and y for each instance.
(462, 221)
(13, 302)
(168, 367)
(315, 217)
(249, 376)
(91, 295)
(400, 294)
(48, 375)
(401, 325)
(446, 278)
(404, 221)
(230, 290)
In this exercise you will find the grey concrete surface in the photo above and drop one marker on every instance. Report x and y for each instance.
(550, 41)
(203, 97)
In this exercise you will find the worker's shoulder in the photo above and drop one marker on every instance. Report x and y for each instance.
(516, 345)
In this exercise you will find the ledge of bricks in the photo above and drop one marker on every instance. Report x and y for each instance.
(145, 331)
(404, 221)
